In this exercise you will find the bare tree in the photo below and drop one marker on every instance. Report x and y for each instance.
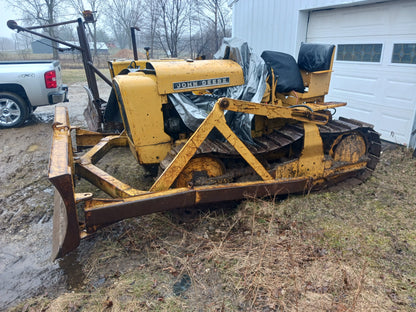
(122, 15)
(217, 12)
(212, 18)
(6, 44)
(93, 5)
(68, 33)
(172, 26)
(194, 26)
(217, 15)
(152, 18)
(42, 12)
(22, 45)
(193, 13)
(199, 37)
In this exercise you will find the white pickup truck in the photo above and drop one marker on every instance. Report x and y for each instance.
(25, 85)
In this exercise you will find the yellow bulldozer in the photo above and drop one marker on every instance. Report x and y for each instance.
(217, 130)
(280, 141)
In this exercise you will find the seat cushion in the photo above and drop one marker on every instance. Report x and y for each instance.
(286, 71)
(315, 57)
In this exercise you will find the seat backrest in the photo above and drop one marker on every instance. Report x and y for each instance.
(285, 70)
(315, 57)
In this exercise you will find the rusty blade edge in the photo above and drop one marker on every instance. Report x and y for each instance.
(104, 215)
(66, 231)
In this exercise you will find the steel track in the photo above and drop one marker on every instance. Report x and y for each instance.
(289, 135)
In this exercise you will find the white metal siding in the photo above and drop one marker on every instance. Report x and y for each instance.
(380, 93)
(266, 24)
(278, 25)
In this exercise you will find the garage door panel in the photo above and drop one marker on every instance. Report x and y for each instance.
(400, 89)
(400, 119)
(392, 136)
(358, 110)
(370, 20)
(358, 113)
(379, 92)
(360, 106)
(353, 94)
(399, 104)
(400, 95)
(394, 127)
(361, 22)
(404, 19)
(385, 118)
(354, 86)
(363, 71)
(398, 125)
(321, 29)
(357, 74)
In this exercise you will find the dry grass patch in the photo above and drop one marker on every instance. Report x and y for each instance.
(70, 76)
(77, 75)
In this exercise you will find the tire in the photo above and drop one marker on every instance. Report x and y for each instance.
(13, 110)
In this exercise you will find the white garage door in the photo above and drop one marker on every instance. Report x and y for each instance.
(375, 64)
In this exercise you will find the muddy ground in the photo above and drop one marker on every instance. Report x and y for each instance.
(348, 249)
(26, 200)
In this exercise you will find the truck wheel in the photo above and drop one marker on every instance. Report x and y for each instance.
(13, 110)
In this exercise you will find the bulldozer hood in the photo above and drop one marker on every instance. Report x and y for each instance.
(194, 109)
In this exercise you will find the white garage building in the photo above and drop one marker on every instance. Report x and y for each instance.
(375, 62)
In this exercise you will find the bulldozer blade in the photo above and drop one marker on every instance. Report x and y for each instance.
(102, 213)
(66, 230)
(65, 235)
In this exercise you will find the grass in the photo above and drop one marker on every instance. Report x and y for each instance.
(347, 249)
(70, 75)
(73, 70)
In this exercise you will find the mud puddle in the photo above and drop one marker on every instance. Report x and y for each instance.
(26, 268)
(25, 265)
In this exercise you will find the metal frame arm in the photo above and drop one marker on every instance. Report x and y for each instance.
(13, 25)
(217, 120)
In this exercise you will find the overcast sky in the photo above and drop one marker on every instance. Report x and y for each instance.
(6, 13)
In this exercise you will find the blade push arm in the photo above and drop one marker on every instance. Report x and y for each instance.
(217, 120)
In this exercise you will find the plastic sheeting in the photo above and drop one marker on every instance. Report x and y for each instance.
(193, 109)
